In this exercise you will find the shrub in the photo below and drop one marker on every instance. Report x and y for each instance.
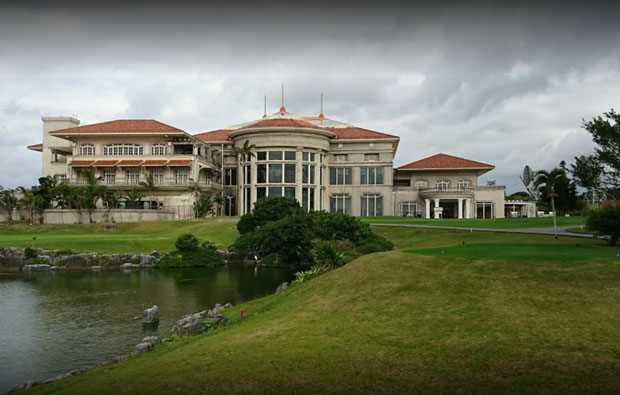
(327, 255)
(605, 221)
(327, 226)
(186, 242)
(29, 253)
(374, 243)
(289, 237)
(300, 277)
(209, 245)
(246, 224)
(198, 257)
(267, 210)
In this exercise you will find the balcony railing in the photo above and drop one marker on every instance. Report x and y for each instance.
(443, 192)
(159, 183)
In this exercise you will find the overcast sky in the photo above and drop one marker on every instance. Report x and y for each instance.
(507, 85)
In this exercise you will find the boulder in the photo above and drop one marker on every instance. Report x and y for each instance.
(141, 348)
(203, 321)
(126, 266)
(155, 254)
(38, 267)
(95, 268)
(77, 262)
(147, 260)
(150, 315)
(11, 259)
(46, 259)
(282, 287)
(151, 339)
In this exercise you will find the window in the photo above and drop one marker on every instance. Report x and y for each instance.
(247, 175)
(261, 174)
(261, 192)
(321, 176)
(409, 209)
(275, 191)
(158, 176)
(230, 176)
(372, 205)
(290, 155)
(289, 192)
(123, 149)
(463, 184)
(262, 155)
(341, 157)
(371, 157)
(62, 178)
(109, 176)
(340, 175)
(289, 173)
(371, 175)
(308, 174)
(181, 177)
(230, 208)
(304, 156)
(275, 173)
(442, 185)
(484, 210)
(87, 149)
(275, 155)
(307, 199)
(159, 149)
(133, 176)
(421, 184)
(340, 204)
(402, 183)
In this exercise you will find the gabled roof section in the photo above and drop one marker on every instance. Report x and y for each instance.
(122, 126)
(353, 132)
(36, 147)
(215, 135)
(443, 161)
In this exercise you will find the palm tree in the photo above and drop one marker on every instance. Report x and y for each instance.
(92, 191)
(243, 152)
(133, 197)
(149, 185)
(548, 180)
(8, 202)
(220, 200)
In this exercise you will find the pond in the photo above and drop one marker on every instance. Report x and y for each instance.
(54, 322)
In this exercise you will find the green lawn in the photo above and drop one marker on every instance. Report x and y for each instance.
(494, 223)
(127, 237)
(399, 322)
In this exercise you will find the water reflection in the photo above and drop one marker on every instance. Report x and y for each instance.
(54, 322)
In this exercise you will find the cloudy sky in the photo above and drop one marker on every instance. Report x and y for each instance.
(507, 85)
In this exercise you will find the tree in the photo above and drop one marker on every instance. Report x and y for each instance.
(587, 172)
(605, 221)
(606, 134)
(204, 204)
(547, 180)
(92, 192)
(133, 197)
(33, 201)
(220, 200)
(245, 151)
(268, 210)
(8, 202)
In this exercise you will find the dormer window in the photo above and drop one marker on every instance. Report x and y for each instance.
(87, 149)
(159, 149)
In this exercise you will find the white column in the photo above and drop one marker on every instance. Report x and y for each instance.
(428, 207)
(436, 205)
(460, 208)
(467, 208)
(253, 175)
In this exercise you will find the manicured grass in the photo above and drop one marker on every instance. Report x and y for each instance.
(398, 322)
(127, 237)
(494, 223)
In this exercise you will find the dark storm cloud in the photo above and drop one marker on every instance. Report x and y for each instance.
(506, 84)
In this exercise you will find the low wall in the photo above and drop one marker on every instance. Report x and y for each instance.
(59, 217)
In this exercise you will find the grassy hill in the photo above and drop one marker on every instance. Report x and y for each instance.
(401, 321)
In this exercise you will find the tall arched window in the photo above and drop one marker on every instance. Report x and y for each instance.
(87, 149)
(159, 149)
(442, 185)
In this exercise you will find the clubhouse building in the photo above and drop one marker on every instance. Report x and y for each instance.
(323, 163)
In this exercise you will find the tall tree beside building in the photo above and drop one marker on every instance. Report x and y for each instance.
(547, 181)
(605, 132)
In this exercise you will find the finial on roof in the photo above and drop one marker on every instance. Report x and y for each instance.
(282, 109)
(321, 114)
(265, 108)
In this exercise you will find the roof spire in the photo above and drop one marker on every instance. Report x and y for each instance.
(283, 109)
(265, 108)
(321, 114)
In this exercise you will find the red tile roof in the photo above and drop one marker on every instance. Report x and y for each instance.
(122, 126)
(281, 123)
(443, 161)
(130, 162)
(180, 162)
(359, 133)
(81, 163)
(216, 135)
(105, 163)
(157, 162)
(36, 147)
(611, 203)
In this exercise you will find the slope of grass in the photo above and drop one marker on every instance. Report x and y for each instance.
(136, 237)
(493, 223)
(398, 322)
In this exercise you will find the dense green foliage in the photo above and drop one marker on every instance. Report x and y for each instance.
(606, 134)
(190, 254)
(279, 232)
(605, 221)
